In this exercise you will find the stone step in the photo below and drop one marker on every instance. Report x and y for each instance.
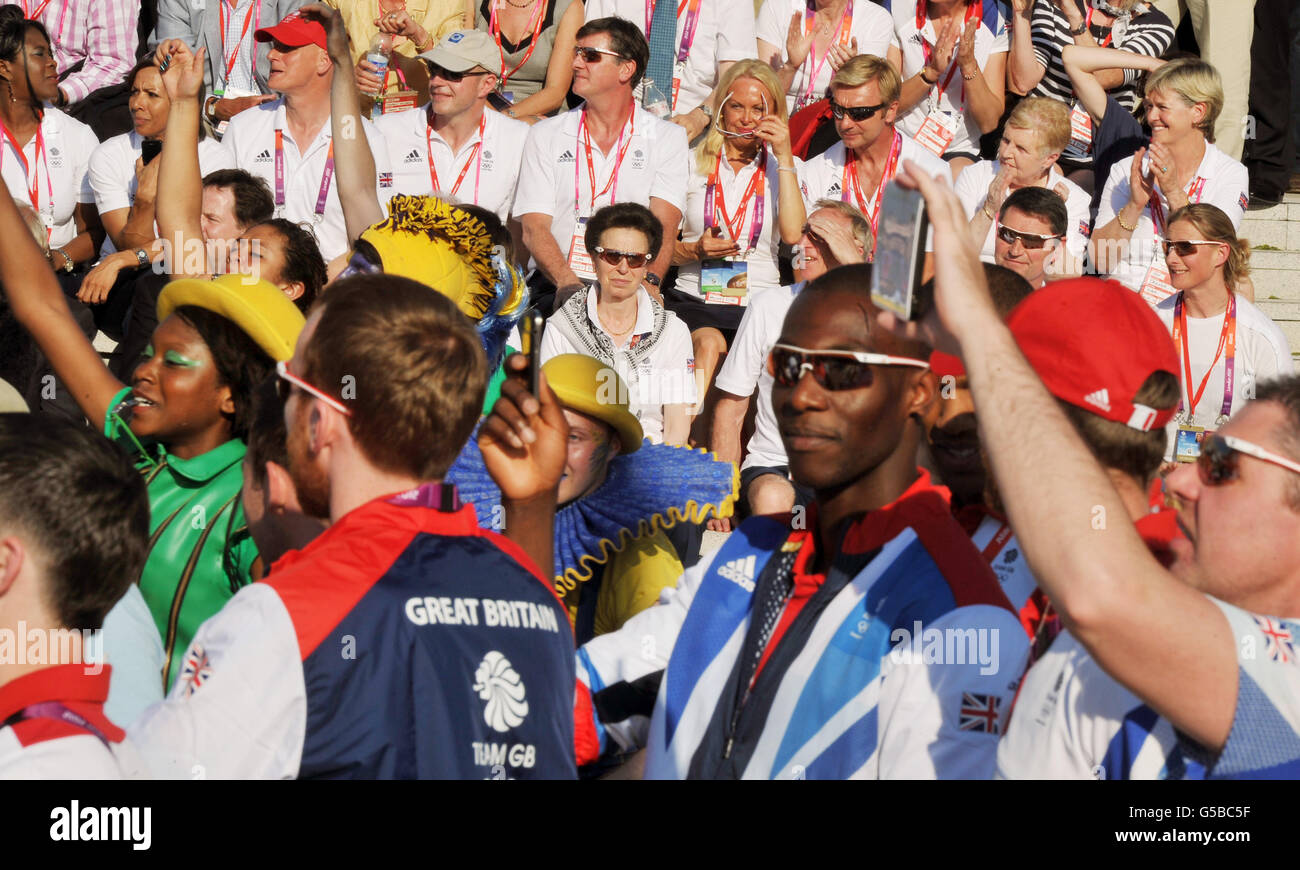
(1286, 314)
(1281, 234)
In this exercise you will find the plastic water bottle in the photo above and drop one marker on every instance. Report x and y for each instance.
(654, 101)
(380, 48)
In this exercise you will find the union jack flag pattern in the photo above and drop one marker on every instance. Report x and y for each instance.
(195, 671)
(1243, 201)
(1277, 640)
(980, 713)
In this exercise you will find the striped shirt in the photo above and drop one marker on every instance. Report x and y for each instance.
(100, 34)
(1150, 33)
(241, 72)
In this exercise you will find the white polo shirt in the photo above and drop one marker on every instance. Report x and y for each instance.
(490, 171)
(668, 379)
(972, 188)
(1226, 186)
(251, 139)
(724, 31)
(113, 178)
(745, 369)
(60, 174)
(761, 262)
(654, 165)
(822, 177)
(871, 27)
(990, 38)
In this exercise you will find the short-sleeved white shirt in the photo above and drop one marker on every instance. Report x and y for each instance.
(761, 263)
(822, 177)
(1261, 353)
(871, 27)
(972, 188)
(669, 377)
(990, 38)
(492, 170)
(1226, 186)
(112, 171)
(745, 369)
(61, 174)
(251, 139)
(724, 32)
(654, 166)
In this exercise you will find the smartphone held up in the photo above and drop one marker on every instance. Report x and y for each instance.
(896, 274)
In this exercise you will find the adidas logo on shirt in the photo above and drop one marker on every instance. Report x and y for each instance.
(413, 157)
(834, 188)
(264, 157)
(1100, 399)
(566, 157)
(740, 572)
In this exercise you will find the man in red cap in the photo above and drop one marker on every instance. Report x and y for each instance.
(1206, 646)
(289, 142)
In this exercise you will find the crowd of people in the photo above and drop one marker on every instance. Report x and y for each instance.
(374, 375)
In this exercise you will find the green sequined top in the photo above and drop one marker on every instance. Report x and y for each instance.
(200, 551)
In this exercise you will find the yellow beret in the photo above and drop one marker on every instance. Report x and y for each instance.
(588, 386)
(258, 307)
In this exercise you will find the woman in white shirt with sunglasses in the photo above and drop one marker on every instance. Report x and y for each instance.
(1226, 345)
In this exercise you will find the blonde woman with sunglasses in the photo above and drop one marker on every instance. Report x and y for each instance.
(1226, 345)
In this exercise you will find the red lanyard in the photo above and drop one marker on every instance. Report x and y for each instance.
(248, 17)
(996, 543)
(35, 14)
(1088, 23)
(29, 170)
(473, 158)
(757, 187)
(630, 129)
(1194, 193)
(844, 32)
(1227, 338)
(850, 180)
(972, 11)
(495, 30)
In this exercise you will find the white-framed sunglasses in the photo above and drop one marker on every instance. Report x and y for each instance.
(286, 376)
(832, 369)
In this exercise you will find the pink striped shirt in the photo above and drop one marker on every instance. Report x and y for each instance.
(99, 32)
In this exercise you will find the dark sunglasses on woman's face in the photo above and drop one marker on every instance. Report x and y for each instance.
(592, 55)
(1031, 241)
(856, 113)
(450, 77)
(634, 260)
(1186, 247)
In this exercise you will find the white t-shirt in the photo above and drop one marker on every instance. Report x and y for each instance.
(60, 175)
(972, 188)
(761, 262)
(112, 172)
(251, 139)
(669, 377)
(745, 369)
(990, 38)
(654, 165)
(871, 27)
(1261, 353)
(489, 180)
(1226, 186)
(724, 32)
(822, 177)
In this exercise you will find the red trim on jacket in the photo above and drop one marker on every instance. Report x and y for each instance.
(69, 685)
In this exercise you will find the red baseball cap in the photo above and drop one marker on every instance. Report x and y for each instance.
(294, 29)
(1094, 342)
(944, 364)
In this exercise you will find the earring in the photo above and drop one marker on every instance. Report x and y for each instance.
(10, 85)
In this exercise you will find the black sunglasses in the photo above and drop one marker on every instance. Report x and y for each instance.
(856, 113)
(592, 55)
(634, 260)
(450, 77)
(831, 369)
(1031, 241)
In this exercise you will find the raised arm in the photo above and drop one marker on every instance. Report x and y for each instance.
(354, 163)
(38, 304)
(1024, 71)
(1083, 62)
(179, 213)
(1165, 641)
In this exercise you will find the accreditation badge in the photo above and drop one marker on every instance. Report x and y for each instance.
(938, 131)
(1080, 130)
(724, 282)
(1187, 443)
(579, 260)
(1155, 284)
